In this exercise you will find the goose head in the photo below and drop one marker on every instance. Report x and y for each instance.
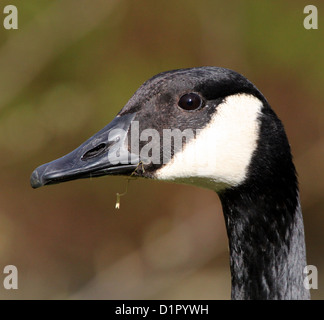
(197, 126)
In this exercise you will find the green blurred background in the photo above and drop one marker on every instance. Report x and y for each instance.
(67, 71)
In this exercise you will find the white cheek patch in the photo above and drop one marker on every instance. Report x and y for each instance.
(220, 154)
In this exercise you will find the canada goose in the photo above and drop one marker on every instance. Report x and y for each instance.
(235, 145)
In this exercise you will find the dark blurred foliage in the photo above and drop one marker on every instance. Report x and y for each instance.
(65, 73)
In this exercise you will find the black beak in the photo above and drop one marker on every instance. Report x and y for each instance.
(106, 153)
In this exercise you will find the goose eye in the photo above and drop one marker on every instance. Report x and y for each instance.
(190, 101)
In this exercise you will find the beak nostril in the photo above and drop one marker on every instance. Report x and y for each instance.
(94, 152)
(99, 149)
